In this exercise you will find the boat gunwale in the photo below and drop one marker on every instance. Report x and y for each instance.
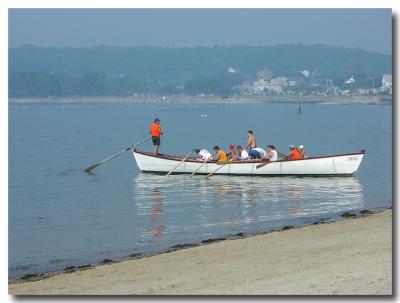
(179, 158)
(319, 175)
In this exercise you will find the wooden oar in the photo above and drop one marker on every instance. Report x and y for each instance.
(90, 168)
(222, 165)
(183, 160)
(280, 155)
(263, 164)
(193, 173)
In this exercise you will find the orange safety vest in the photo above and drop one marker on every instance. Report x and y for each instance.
(222, 156)
(295, 154)
(155, 130)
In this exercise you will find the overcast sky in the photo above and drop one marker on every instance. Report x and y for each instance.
(369, 29)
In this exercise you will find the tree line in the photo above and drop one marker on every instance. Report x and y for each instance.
(121, 71)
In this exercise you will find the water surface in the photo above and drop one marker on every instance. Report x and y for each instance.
(59, 216)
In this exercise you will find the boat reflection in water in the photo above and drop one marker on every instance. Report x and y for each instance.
(180, 208)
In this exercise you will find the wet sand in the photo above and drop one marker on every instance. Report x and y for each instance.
(351, 256)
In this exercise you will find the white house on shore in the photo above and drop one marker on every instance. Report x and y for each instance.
(386, 83)
(274, 86)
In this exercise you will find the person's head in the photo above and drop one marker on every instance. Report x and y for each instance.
(231, 146)
(291, 147)
(216, 148)
(249, 132)
(198, 150)
(157, 121)
(270, 147)
(239, 148)
(301, 147)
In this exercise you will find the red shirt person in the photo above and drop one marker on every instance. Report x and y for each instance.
(294, 154)
(156, 132)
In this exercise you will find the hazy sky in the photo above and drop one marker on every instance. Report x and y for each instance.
(369, 29)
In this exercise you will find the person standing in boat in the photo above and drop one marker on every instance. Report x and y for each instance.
(251, 140)
(220, 155)
(156, 132)
(303, 152)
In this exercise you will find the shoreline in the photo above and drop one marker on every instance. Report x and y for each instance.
(37, 276)
(328, 100)
(52, 284)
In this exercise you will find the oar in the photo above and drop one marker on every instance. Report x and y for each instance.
(263, 164)
(183, 160)
(221, 166)
(90, 168)
(202, 165)
(280, 155)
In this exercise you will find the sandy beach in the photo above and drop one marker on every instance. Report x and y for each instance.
(347, 257)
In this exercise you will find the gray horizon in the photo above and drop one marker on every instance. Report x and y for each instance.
(366, 29)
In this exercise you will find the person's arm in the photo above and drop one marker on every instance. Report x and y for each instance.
(161, 132)
(234, 156)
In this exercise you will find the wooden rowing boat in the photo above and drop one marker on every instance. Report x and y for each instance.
(336, 165)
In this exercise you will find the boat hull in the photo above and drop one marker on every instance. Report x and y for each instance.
(337, 165)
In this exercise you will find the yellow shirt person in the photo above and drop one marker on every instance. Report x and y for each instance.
(220, 155)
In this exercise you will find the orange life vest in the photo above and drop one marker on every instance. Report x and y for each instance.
(295, 154)
(155, 130)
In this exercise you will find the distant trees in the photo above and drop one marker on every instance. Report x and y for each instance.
(104, 70)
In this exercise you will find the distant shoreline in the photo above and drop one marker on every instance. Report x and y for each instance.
(345, 100)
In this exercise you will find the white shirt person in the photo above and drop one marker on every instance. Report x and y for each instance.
(204, 154)
(272, 154)
(243, 154)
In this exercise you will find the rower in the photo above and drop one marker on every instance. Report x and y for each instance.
(204, 154)
(220, 154)
(293, 154)
(251, 140)
(272, 154)
(303, 152)
(257, 153)
(156, 132)
(232, 152)
(243, 154)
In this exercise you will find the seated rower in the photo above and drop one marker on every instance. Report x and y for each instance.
(293, 154)
(232, 152)
(220, 154)
(257, 153)
(243, 154)
(204, 154)
(272, 154)
(303, 152)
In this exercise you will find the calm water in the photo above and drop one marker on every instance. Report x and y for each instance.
(59, 216)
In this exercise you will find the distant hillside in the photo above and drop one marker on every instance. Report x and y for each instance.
(104, 70)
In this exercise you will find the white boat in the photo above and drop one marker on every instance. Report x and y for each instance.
(336, 165)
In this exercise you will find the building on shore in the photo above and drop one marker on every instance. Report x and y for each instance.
(386, 84)
(273, 87)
